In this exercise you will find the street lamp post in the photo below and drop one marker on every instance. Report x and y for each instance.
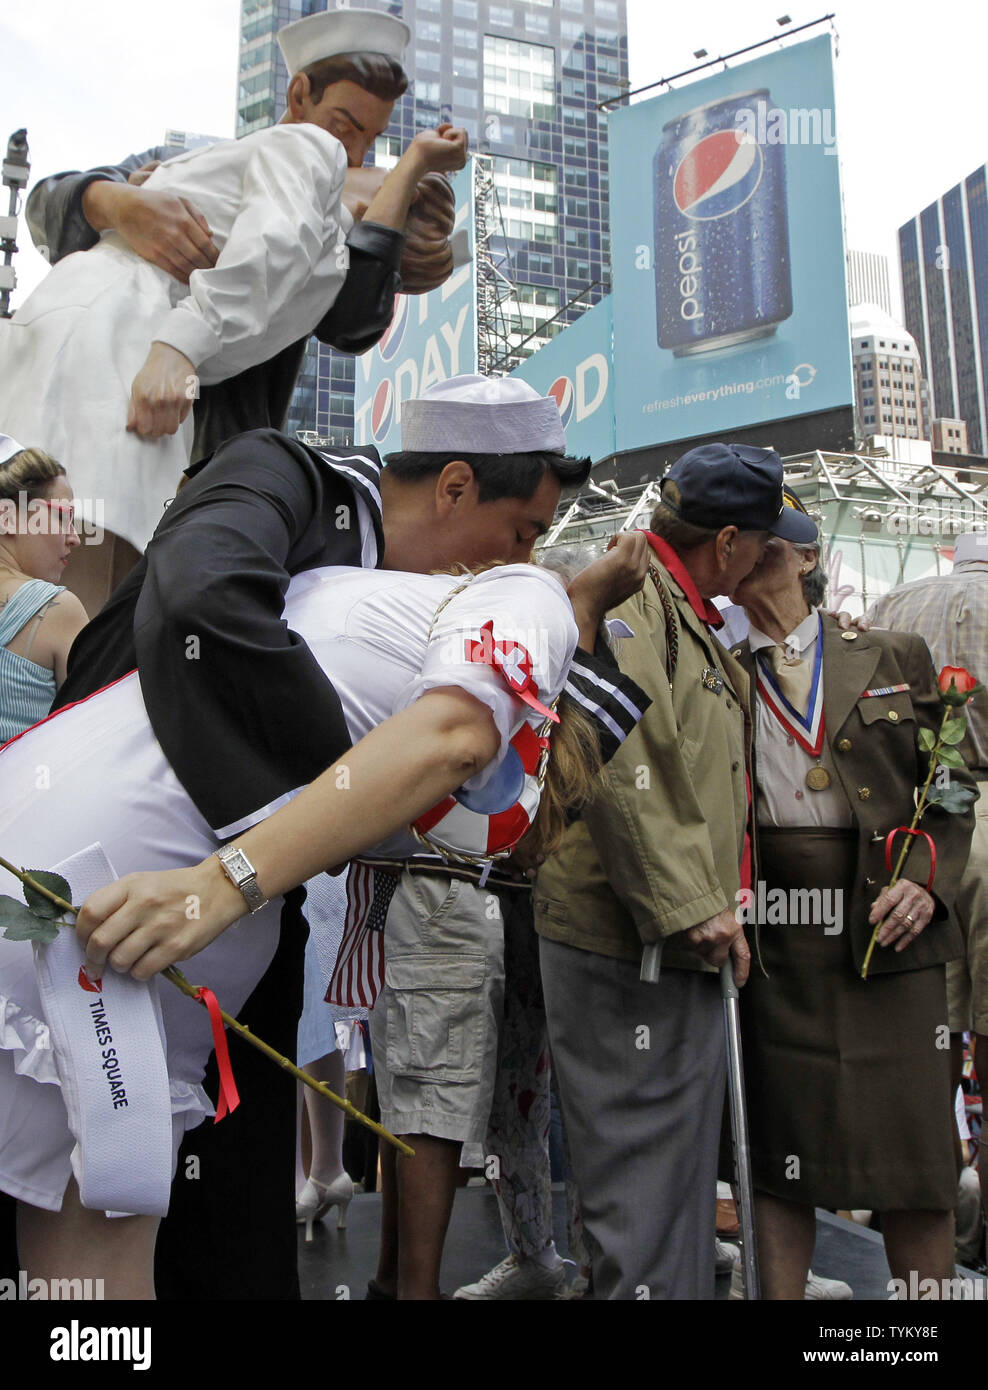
(16, 168)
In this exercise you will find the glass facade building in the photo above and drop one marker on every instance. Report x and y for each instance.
(944, 258)
(524, 78)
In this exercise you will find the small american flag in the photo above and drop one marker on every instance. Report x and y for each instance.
(359, 973)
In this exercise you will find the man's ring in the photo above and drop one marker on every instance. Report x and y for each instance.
(908, 919)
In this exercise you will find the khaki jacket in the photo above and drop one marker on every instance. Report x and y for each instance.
(873, 744)
(658, 851)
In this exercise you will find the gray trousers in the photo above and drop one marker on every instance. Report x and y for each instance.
(641, 1073)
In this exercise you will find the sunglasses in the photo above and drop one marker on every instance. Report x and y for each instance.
(64, 512)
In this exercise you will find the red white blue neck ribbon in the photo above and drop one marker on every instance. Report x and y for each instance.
(807, 729)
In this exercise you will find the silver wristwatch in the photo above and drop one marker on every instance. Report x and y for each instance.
(241, 872)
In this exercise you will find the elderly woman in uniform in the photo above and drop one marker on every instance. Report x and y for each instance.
(848, 1089)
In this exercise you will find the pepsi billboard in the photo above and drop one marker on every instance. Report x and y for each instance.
(575, 369)
(430, 338)
(730, 303)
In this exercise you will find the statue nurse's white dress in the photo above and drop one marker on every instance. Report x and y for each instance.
(69, 356)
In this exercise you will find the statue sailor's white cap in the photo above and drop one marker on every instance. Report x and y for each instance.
(8, 448)
(973, 545)
(482, 415)
(342, 31)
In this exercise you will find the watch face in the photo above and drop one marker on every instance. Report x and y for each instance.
(237, 862)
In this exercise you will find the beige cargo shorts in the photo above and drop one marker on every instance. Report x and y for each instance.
(434, 1027)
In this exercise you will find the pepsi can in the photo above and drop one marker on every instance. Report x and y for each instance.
(722, 272)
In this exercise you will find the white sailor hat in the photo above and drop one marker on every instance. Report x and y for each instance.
(483, 415)
(8, 448)
(326, 35)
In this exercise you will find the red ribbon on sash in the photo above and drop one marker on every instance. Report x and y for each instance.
(229, 1097)
(889, 839)
(513, 663)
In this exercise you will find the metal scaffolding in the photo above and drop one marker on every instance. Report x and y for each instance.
(861, 494)
(496, 298)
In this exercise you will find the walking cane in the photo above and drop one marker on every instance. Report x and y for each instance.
(650, 967)
(739, 1132)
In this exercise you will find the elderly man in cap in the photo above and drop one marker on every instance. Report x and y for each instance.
(950, 612)
(659, 857)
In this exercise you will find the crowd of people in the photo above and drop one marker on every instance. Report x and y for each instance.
(437, 784)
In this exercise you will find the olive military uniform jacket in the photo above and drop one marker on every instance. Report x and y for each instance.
(873, 745)
(658, 850)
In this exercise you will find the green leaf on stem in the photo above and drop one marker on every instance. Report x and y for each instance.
(37, 902)
(21, 924)
(927, 740)
(949, 757)
(954, 730)
(954, 799)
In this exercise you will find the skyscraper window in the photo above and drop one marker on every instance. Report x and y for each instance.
(519, 78)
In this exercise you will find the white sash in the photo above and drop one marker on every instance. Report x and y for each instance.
(109, 1048)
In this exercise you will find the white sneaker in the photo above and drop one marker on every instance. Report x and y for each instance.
(834, 1289)
(726, 1256)
(816, 1288)
(519, 1279)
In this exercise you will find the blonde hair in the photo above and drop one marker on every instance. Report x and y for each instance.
(572, 776)
(29, 473)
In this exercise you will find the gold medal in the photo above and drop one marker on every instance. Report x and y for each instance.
(818, 779)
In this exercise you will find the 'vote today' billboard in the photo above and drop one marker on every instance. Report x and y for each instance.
(430, 338)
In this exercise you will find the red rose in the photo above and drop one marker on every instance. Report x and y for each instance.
(956, 685)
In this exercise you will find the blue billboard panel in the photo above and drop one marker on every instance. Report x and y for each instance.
(575, 368)
(431, 338)
(730, 302)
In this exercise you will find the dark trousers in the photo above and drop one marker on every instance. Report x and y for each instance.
(230, 1230)
(641, 1074)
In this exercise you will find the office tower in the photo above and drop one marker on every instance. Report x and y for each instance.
(868, 280)
(944, 257)
(525, 78)
(888, 395)
(950, 437)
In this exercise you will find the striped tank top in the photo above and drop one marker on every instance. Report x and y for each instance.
(26, 689)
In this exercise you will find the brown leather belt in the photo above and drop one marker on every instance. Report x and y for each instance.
(497, 881)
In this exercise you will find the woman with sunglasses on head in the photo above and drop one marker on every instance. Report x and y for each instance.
(39, 619)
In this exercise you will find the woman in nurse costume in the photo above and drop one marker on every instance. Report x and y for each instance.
(447, 686)
(102, 363)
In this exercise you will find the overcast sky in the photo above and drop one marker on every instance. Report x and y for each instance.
(94, 80)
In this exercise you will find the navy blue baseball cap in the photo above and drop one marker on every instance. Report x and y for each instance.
(736, 485)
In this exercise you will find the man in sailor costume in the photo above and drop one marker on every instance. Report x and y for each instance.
(227, 687)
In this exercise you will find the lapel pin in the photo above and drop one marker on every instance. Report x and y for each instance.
(712, 680)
